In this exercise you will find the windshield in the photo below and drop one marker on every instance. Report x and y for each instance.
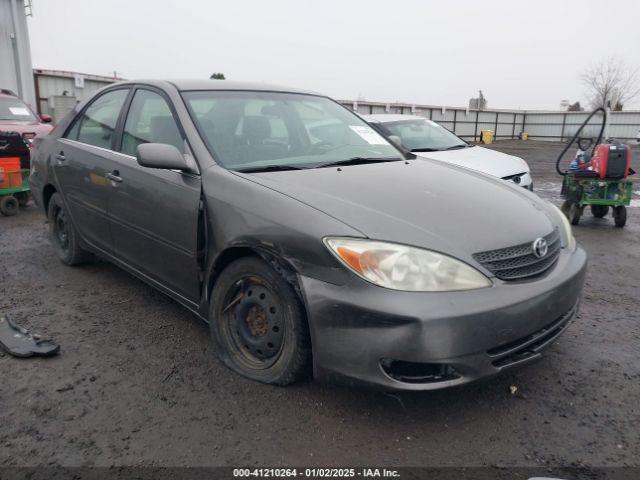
(419, 133)
(252, 130)
(15, 110)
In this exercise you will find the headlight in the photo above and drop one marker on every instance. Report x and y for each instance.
(401, 267)
(568, 240)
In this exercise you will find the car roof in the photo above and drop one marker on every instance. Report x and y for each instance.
(390, 117)
(185, 85)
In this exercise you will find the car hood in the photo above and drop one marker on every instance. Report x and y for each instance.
(484, 160)
(421, 202)
(25, 127)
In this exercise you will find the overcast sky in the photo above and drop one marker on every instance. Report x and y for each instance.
(526, 55)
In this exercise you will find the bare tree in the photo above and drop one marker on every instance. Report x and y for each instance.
(611, 80)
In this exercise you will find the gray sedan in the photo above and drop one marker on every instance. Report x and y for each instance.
(304, 238)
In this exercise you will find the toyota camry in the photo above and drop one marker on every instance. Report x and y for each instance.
(304, 238)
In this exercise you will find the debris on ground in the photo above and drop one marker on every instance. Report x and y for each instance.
(19, 342)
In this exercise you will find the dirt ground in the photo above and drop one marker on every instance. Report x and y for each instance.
(137, 382)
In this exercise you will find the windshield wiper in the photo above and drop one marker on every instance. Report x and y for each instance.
(456, 147)
(426, 149)
(267, 168)
(453, 147)
(357, 161)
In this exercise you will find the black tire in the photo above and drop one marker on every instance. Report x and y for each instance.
(23, 198)
(258, 323)
(575, 213)
(620, 216)
(572, 211)
(599, 211)
(9, 206)
(63, 234)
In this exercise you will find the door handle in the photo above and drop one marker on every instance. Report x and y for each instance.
(60, 158)
(114, 176)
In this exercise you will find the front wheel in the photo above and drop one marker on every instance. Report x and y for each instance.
(620, 216)
(63, 234)
(258, 323)
(573, 211)
(599, 211)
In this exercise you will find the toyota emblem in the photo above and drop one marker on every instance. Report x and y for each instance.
(540, 247)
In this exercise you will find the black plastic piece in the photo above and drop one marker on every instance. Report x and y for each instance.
(19, 342)
(411, 372)
(618, 161)
(13, 145)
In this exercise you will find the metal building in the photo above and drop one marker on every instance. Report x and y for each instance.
(57, 91)
(15, 52)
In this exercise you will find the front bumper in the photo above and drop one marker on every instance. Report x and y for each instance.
(358, 330)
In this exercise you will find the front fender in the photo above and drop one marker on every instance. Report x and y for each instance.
(246, 218)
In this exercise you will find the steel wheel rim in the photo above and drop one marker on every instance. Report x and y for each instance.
(253, 323)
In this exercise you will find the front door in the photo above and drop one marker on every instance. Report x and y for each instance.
(154, 213)
(83, 159)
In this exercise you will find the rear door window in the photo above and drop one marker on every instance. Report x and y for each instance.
(150, 121)
(97, 125)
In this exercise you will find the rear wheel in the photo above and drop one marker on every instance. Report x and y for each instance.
(258, 323)
(620, 216)
(9, 205)
(23, 198)
(599, 211)
(63, 235)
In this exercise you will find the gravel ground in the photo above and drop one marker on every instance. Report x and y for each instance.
(137, 382)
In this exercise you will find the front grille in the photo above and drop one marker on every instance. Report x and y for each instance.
(515, 263)
(530, 346)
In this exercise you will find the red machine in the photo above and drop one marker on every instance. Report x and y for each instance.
(611, 160)
(597, 178)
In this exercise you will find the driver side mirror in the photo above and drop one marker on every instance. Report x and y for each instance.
(161, 155)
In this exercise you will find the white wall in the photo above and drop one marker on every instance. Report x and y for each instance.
(539, 125)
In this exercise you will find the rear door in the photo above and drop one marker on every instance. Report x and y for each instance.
(154, 213)
(82, 160)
